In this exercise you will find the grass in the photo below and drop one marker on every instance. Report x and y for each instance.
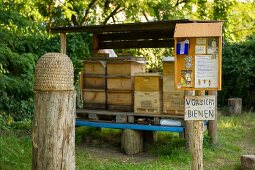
(100, 150)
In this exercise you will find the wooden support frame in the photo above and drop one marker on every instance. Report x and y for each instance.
(63, 43)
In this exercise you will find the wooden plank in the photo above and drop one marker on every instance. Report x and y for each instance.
(119, 107)
(124, 68)
(95, 82)
(129, 27)
(120, 98)
(137, 44)
(198, 30)
(94, 96)
(135, 36)
(95, 67)
(63, 43)
(146, 26)
(107, 112)
(120, 83)
(94, 106)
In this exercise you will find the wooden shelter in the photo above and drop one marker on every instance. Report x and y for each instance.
(159, 34)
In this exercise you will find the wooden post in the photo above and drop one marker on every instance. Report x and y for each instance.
(63, 43)
(132, 141)
(189, 123)
(234, 106)
(149, 138)
(248, 162)
(95, 44)
(197, 141)
(53, 136)
(212, 124)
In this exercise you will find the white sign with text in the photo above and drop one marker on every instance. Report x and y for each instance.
(200, 107)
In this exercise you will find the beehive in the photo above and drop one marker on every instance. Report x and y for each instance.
(148, 102)
(148, 82)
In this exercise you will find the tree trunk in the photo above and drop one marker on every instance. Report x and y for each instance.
(132, 141)
(54, 130)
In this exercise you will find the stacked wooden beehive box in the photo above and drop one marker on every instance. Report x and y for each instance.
(120, 81)
(148, 93)
(94, 87)
(173, 100)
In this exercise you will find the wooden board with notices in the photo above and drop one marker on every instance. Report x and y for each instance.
(198, 56)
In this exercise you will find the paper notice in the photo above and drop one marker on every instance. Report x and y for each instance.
(206, 71)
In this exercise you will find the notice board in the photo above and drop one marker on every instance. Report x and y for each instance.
(198, 56)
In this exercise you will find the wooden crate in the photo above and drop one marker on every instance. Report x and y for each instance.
(173, 103)
(148, 82)
(120, 97)
(125, 68)
(94, 82)
(148, 102)
(95, 67)
(94, 96)
(168, 84)
(120, 83)
(168, 68)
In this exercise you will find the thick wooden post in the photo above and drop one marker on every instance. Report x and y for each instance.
(149, 138)
(234, 106)
(63, 43)
(132, 141)
(189, 123)
(212, 124)
(53, 136)
(197, 141)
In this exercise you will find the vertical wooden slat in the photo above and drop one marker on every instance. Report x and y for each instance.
(212, 125)
(95, 44)
(63, 43)
(189, 123)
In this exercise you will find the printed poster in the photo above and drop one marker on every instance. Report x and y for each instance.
(186, 78)
(206, 71)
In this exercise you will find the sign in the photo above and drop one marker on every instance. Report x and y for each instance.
(200, 107)
(206, 71)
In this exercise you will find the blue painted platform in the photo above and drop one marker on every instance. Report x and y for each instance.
(80, 122)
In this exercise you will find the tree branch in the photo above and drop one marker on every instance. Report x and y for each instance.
(87, 11)
(114, 12)
(180, 2)
(144, 14)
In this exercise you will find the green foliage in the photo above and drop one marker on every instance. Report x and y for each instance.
(239, 72)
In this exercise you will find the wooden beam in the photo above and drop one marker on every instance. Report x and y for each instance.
(136, 35)
(137, 44)
(95, 44)
(63, 43)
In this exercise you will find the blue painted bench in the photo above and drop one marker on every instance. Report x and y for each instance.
(80, 122)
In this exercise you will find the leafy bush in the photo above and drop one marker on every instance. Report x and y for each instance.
(238, 72)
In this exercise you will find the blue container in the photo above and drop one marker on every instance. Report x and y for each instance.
(182, 47)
